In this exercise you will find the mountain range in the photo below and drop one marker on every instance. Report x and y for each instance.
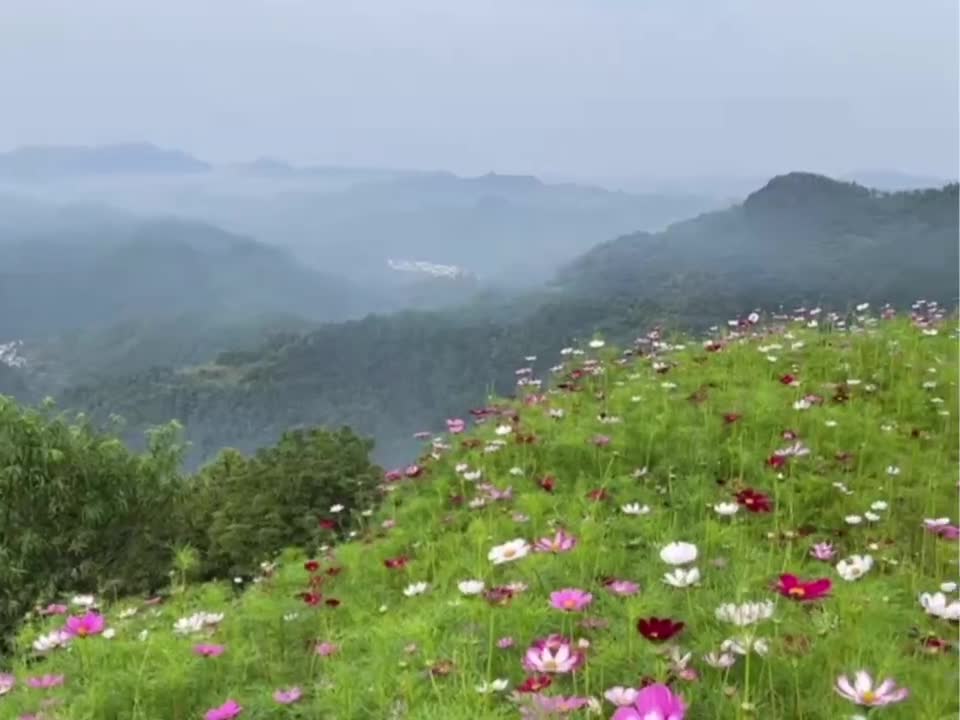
(802, 239)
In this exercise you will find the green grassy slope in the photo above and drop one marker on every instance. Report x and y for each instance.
(675, 429)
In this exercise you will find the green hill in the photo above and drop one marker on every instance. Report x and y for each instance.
(801, 240)
(545, 558)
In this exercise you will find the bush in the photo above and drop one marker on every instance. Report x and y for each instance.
(79, 510)
(242, 511)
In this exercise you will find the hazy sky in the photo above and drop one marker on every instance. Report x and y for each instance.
(591, 88)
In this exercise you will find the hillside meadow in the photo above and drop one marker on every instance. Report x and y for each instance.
(757, 523)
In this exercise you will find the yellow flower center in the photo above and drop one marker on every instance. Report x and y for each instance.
(796, 591)
(869, 696)
(569, 603)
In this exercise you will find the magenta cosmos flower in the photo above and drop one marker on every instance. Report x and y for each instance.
(654, 702)
(570, 599)
(89, 624)
(209, 650)
(288, 696)
(230, 709)
(622, 587)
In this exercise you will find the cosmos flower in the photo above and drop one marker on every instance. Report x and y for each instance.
(754, 501)
(561, 542)
(744, 614)
(654, 702)
(509, 551)
(230, 709)
(854, 567)
(288, 696)
(682, 577)
(659, 629)
(863, 692)
(938, 605)
(553, 654)
(678, 553)
(570, 599)
(790, 586)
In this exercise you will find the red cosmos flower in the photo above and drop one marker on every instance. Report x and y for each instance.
(548, 483)
(535, 683)
(713, 347)
(311, 599)
(598, 494)
(788, 379)
(754, 501)
(328, 524)
(730, 418)
(659, 629)
(311, 566)
(790, 586)
(934, 645)
(334, 571)
(393, 476)
(777, 461)
(397, 563)
(499, 595)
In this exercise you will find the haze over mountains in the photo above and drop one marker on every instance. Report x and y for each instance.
(171, 288)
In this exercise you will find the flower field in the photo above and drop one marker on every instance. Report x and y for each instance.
(761, 523)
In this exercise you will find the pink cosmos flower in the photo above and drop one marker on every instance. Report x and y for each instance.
(288, 696)
(553, 654)
(326, 649)
(54, 609)
(601, 440)
(570, 599)
(45, 682)
(505, 643)
(230, 709)
(559, 543)
(823, 551)
(209, 650)
(538, 706)
(455, 426)
(863, 693)
(89, 624)
(7, 683)
(654, 701)
(622, 587)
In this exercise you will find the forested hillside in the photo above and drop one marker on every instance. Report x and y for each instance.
(801, 240)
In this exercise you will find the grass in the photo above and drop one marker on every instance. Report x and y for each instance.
(614, 431)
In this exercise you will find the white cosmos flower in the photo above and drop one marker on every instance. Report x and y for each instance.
(196, 622)
(936, 604)
(853, 519)
(83, 600)
(336, 508)
(109, 633)
(871, 516)
(596, 344)
(471, 587)
(745, 614)
(635, 509)
(621, 696)
(893, 470)
(948, 587)
(498, 685)
(854, 567)
(721, 660)
(51, 641)
(127, 613)
(879, 505)
(509, 551)
(936, 522)
(678, 553)
(504, 430)
(741, 646)
(726, 509)
(682, 577)
(417, 588)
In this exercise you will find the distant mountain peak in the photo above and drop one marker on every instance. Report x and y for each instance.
(32, 161)
(803, 189)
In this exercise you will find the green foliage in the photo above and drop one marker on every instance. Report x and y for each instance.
(241, 510)
(82, 513)
(79, 510)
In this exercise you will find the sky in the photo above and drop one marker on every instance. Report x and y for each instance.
(579, 88)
